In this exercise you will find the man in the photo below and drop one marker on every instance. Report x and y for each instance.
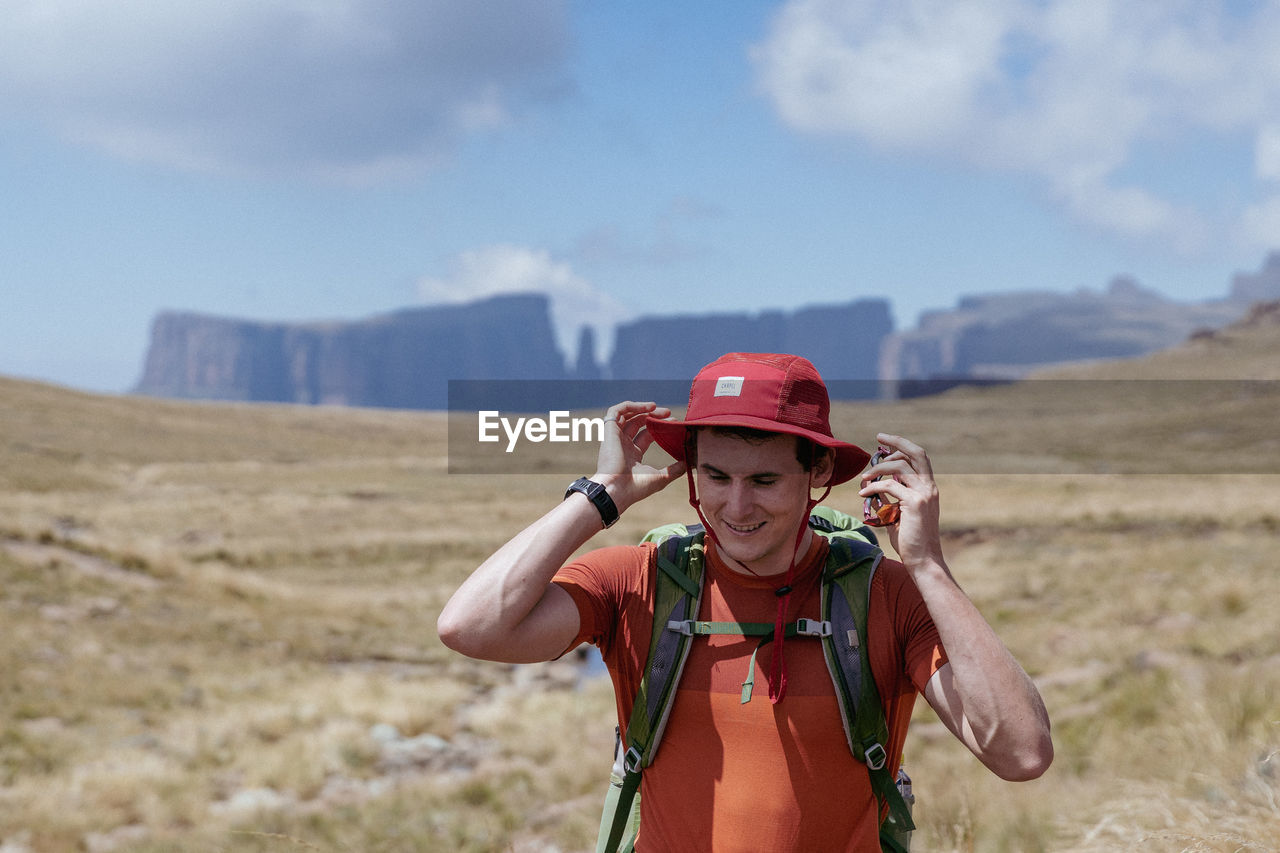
(755, 446)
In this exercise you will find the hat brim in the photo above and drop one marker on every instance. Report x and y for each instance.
(669, 434)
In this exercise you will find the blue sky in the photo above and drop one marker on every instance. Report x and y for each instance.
(335, 159)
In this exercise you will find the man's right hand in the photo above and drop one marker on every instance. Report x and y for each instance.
(621, 467)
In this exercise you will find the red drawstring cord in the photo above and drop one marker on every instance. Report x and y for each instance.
(778, 663)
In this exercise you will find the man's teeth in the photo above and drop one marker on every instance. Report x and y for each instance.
(747, 528)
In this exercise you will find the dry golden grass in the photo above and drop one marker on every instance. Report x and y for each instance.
(219, 625)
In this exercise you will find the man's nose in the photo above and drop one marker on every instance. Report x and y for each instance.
(740, 499)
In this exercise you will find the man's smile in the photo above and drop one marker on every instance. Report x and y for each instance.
(744, 528)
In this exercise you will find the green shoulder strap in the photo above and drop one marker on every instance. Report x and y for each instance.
(851, 565)
(678, 589)
(846, 590)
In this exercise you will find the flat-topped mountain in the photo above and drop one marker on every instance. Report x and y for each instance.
(400, 360)
(842, 340)
(1003, 336)
(406, 358)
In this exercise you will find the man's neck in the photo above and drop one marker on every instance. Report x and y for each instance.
(775, 569)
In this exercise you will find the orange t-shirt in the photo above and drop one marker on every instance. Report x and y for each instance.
(730, 777)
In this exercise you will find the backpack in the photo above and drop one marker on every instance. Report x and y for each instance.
(852, 559)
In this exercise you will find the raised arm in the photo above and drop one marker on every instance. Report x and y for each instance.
(982, 694)
(508, 609)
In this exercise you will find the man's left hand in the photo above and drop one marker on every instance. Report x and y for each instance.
(907, 477)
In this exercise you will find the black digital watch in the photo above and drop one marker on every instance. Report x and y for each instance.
(596, 493)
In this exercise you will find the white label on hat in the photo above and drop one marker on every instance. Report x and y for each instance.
(729, 386)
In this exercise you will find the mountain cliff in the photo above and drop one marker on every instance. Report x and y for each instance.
(843, 341)
(399, 360)
(405, 359)
(1003, 336)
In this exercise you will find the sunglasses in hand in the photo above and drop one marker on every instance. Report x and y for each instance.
(878, 510)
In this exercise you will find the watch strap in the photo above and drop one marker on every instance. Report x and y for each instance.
(598, 496)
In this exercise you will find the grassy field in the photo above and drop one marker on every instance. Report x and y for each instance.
(219, 622)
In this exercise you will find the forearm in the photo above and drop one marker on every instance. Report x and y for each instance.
(508, 609)
(494, 614)
(988, 700)
(982, 694)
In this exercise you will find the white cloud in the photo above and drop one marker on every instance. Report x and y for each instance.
(1267, 152)
(575, 302)
(1260, 223)
(345, 89)
(1132, 212)
(897, 72)
(1065, 90)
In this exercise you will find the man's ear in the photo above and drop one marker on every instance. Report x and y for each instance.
(824, 464)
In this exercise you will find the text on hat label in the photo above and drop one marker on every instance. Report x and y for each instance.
(729, 386)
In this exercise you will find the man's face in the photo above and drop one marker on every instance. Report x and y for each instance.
(754, 495)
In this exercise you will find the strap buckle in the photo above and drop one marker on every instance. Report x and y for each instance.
(631, 760)
(813, 628)
(690, 627)
(876, 756)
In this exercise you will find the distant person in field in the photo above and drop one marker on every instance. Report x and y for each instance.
(776, 773)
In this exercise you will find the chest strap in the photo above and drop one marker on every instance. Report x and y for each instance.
(764, 630)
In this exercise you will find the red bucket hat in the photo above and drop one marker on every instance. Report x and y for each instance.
(765, 391)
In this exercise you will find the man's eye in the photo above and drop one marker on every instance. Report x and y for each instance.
(766, 481)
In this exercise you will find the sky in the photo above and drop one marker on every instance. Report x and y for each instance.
(307, 160)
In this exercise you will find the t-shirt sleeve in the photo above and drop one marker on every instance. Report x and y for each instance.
(599, 583)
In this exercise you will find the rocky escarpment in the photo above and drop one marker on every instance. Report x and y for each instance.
(405, 359)
(842, 340)
(398, 360)
(1004, 336)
